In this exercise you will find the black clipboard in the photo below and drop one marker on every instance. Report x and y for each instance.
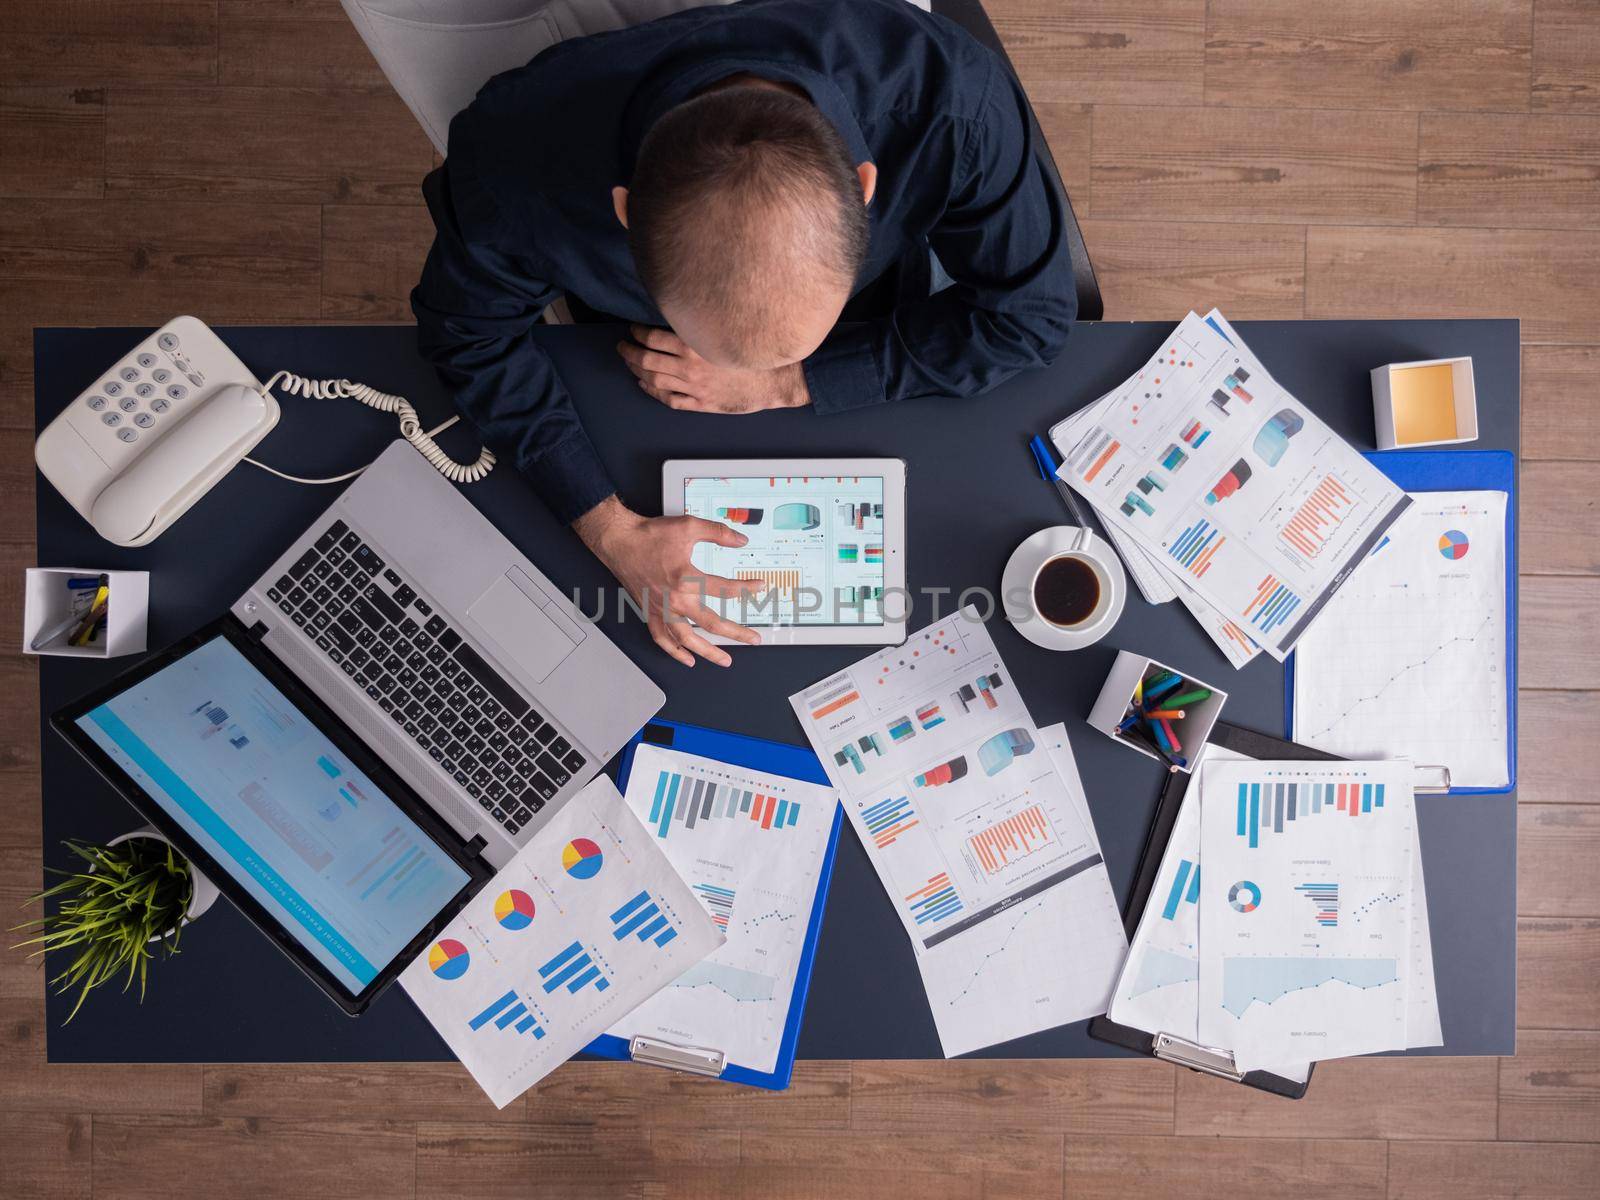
(1167, 1046)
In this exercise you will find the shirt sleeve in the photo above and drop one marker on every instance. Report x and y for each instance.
(1003, 241)
(476, 307)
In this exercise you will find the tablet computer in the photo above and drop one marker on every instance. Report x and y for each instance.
(281, 805)
(827, 535)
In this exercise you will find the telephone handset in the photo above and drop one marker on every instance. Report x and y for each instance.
(135, 451)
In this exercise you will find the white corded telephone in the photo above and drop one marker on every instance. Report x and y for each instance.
(133, 452)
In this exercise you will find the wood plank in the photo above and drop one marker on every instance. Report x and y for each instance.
(1090, 1097)
(89, 43)
(1224, 1168)
(52, 141)
(305, 145)
(1150, 270)
(1371, 54)
(16, 479)
(468, 1161)
(371, 259)
(21, 874)
(84, 262)
(46, 1155)
(292, 43)
(1254, 165)
(1553, 758)
(1558, 961)
(410, 1091)
(1069, 129)
(1566, 56)
(616, 1095)
(1451, 1170)
(1557, 847)
(1560, 402)
(1557, 536)
(1556, 615)
(1544, 277)
(33, 1085)
(158, 1157)
(1511, 170)
(912, 1166)
(1353, 1098)
(1112, 51)
(1550, 1092)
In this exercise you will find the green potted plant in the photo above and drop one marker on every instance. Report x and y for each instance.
(126, 906)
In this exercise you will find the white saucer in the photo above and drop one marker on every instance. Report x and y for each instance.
(1017, 581)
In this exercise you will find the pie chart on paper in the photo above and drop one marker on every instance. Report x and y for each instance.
(513, 909)
(1453, 544)
(581, 858)
(448, 959)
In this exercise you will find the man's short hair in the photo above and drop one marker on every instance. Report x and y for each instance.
(717, 174)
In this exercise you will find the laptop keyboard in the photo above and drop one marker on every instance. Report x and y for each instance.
(468, 717)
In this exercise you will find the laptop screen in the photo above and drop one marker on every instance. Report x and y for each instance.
(254, 781)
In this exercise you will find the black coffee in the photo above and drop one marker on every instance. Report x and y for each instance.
(1067, 591)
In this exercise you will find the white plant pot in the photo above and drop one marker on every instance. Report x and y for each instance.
(205, 892)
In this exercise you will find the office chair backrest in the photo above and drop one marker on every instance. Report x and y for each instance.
(438, 53)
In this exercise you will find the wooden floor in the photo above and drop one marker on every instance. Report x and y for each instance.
(245, 160)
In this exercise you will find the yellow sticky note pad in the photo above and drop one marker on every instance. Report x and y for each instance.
(1424, 404)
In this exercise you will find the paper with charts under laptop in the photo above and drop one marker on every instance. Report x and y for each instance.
(983, 845)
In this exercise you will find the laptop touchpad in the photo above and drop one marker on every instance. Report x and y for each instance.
(515, 620)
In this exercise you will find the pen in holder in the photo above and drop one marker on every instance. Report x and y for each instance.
(85, 613)
(1157, 710)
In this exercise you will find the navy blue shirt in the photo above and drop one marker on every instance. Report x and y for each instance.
(523, 212)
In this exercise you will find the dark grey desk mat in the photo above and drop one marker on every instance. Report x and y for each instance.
(229, 997)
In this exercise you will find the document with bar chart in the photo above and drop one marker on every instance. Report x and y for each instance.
(587, 922)
(1409, 661)
(1206, 462)
(1046, 961)
(1306, 908)
(751, 845)
(966, 818)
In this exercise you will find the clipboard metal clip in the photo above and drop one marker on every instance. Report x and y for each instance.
(1196, 1057)
(697, 1060)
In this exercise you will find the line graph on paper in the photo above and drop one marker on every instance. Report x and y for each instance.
(1409, 659)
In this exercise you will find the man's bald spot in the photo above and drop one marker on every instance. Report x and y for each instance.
(747, 222)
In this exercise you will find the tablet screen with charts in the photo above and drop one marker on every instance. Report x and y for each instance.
(827, 537)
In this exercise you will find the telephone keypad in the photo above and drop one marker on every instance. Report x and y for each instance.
(111, 418)
(127, 404)
(95, 403)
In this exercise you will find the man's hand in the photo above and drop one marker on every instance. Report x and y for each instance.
(650, 557)
(680, 378)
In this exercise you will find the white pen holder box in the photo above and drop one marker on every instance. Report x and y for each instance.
(1433, 402)
(47, 601)
(1116, 698)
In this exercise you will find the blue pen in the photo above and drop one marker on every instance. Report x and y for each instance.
(1046, 462)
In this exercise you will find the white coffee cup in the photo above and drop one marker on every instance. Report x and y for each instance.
(1030, 560)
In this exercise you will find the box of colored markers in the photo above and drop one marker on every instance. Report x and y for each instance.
(1159, 711)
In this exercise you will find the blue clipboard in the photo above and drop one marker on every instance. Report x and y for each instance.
(1449, 471)
(755, 754)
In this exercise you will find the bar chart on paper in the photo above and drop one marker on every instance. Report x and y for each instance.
(681, 802)
(750, 845)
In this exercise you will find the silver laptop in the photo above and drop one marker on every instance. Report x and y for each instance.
(449, 653)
